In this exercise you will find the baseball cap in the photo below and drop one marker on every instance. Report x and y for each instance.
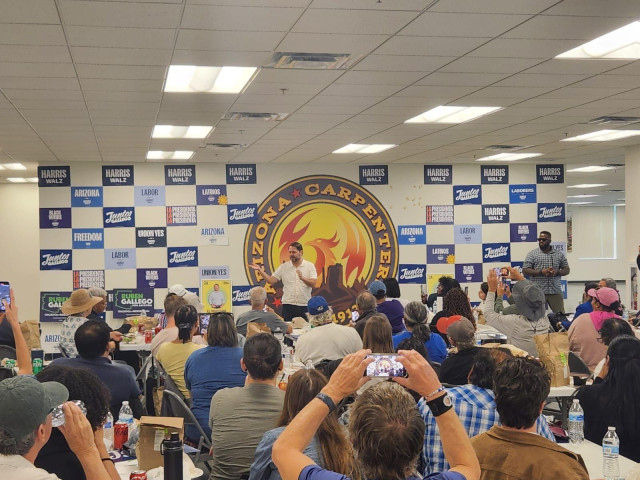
(605, 295)
(25, 404)
(377, 288)
(444, 323)
(317, 305)
(461, 331)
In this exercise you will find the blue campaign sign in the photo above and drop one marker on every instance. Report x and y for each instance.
(117, 175)
(468, 272)
(55, 218)
(242, 213)
(551, 212)
(55, 259)
(518, 266)
(211, 195)
(412, 234)
(182, 256)
(148, 196)
(86, 196)
(523, 193)
(441, 254)
(179, 174)
(240, 294)
(494, 174)
(438, 174)
(564, 284)
(87, 238)
(182, 215)
(374, 174)
(495, 213)
(550, 173)
(467, 195)
(496, 252)
(467, 234)
(412, 273)
(151, 277)
(54, 176)
(118, 217)
(523, 232)
(119, 258)
(241, 173)
(439, 215)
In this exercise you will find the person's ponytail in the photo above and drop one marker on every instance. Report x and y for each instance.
(186, 317)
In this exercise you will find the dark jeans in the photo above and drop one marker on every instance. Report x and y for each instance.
(291, 311)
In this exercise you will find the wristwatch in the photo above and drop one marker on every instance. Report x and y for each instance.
(440, 405)
(326, 399)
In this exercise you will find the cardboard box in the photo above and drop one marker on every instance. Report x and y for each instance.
(152, 431)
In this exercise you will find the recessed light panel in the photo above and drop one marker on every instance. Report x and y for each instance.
(602, 136)
(591, 169)
(364, 148)
(508, 157)
(623, 44)
(581, 203)
(193, 79)
(174, 131)
(588, 185)
(582, 196)
(17, 180)
(452, 114)
(177, 155)
(12, 166)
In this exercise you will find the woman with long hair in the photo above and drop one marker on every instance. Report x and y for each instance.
(612, 401)
(377, 335)
(330, 448)
(455, 302)
(415, 320)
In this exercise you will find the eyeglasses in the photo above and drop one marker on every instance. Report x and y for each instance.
(542, 239)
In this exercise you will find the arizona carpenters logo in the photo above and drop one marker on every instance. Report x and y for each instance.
(344, 230)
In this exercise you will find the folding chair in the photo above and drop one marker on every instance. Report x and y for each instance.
(579, 370)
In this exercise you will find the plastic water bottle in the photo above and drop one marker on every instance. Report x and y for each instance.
(576, 423)
(107, 429)
(125, 415)
(610, 450)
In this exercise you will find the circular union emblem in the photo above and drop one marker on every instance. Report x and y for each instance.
(344, 230)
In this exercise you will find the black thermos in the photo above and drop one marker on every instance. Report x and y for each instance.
(171, 450)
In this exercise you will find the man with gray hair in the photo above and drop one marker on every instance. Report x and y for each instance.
(261, 313)
(366, 307)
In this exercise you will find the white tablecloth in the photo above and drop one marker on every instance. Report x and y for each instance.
(592, 456)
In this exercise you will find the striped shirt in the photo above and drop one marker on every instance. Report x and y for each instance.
(539, 260)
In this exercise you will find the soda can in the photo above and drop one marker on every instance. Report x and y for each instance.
(10, 363)
(37, 365)
(138, 475)
(157, 329)
(148, 336)
(120, 434)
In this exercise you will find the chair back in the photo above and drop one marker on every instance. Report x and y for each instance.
(578, 369)
(7, 351)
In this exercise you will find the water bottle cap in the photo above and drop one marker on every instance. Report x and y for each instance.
(575, 400)
(612, 429)
(126, 402)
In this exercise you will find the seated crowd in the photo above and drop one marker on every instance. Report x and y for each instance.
(463, 411)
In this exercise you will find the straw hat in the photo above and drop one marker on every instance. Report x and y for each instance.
(79, 301)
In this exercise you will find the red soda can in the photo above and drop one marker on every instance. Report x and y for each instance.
(120, 434)
(157, 329)
(138, 475)
(148, 336)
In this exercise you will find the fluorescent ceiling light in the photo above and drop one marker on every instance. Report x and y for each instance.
(12, 166)
(623, 43)
(619, 204)
(364, 148)
(602, 136)
(451, 114)
(592, 169)
(508, 157)
(584, 195)
(177, 155)
(581, 203)
(17, 179)
(192, 79)
(32, 179)
(588, 185)
(173, 131)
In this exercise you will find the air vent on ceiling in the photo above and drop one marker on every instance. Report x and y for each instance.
(611, 120)
(614, 165)
(265, 117)
(505, 148)
(616, 190)
(227, 146)
(313, 61)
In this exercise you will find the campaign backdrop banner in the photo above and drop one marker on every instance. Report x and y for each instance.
(494, 174)
(524, 232)
(560, 247)
(467, 234)
(412, 273)
(215, 273)
(467, 195)
(55, 218)
(149, 196)
(87, 238)
(241, 173)
(179, 174)
(495, 213)
(86, 196)
(445, 254)
(242, 213)
(117, 175)
(374, 174)
(439, 214)
(119, 217)
(412, 234)
(522, 193)
(50, 304)
(468, 272)
(151, 237)
(54, 176)
(551, 212)
(55, 259)
(550, 173)
(214, 236)
(182, 257)
(182, 215)
(240, 295)
(518, 266)
(211, 195)
(119, 258)
(88, 278)
(151, 277)
(496, 252)
(129, 302)
(438, 174)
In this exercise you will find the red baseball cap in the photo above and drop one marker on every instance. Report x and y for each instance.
(444, 323)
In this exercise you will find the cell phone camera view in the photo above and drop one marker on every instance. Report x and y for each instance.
(4, 294)
(385, 365)
(204, 323)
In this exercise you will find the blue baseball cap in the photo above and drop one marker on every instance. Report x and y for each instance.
(377, 289)
(317, 305)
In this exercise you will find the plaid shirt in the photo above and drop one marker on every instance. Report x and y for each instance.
(476, 409)
(538, 260)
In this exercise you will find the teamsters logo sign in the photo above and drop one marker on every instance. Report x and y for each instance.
(344, 230)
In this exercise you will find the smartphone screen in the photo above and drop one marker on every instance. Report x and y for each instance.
(504, 272)
(4, 294)
(498, 271)
(204, 323)
(354, 315)
(385, 365)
